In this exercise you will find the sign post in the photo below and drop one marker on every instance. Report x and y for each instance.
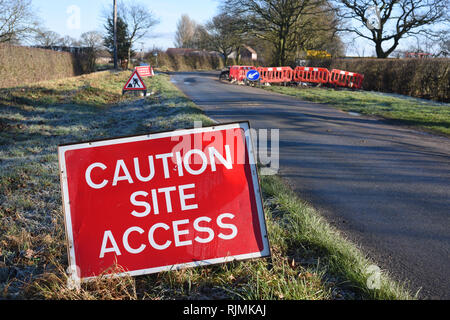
(162, 201)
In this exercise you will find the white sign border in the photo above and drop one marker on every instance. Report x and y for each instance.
(265, 252)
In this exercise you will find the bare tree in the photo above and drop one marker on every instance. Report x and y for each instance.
(201, 39)
(17, 20)
(186, 29)
(140, 20)
(224, 34)
(92, 39)
(68, 41)
(317, 32)
(47, 38)
(275, 21)
(444, 44)
(385, 22)
(93, 43)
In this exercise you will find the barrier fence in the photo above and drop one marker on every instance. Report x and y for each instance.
(276, 75)
(312, 75)
(145, 71)
(239, 73)
(343, 78)
(339, 78)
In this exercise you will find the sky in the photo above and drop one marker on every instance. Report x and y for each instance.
(74, 17)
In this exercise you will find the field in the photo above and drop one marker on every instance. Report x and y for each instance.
(402, 110)
(310, 260)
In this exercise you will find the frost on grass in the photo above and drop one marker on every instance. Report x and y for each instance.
(31, 219)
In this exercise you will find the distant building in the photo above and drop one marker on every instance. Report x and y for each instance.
(246, 52)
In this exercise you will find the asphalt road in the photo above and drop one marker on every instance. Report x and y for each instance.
(386, 187)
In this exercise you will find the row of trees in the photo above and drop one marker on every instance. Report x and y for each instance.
(282, 28)
(134, 23)
(20, 25)
(279, 29)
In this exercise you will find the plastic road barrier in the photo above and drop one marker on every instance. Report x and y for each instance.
(145, 71)
(347, 79)
(276, 75)
(239, 73)
(312, 75)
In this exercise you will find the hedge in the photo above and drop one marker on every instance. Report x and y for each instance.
(24, 65)
(421, 78)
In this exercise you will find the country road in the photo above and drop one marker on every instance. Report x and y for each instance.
(386, 187)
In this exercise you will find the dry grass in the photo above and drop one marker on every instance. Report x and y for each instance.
(34, 120)
(23, 65)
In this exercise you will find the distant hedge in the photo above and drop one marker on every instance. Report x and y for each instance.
(178, 62)
(421, 78)
(23, 65)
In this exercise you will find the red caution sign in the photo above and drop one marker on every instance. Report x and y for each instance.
(145, 71)
(162, 201)
(135, 83)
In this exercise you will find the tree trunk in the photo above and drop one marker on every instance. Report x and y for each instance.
(381, 54)
(225, 59)
(238, 55)
(379, 50)
(282, 52)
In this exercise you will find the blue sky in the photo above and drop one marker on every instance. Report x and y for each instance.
(57, 15)
(60, 16)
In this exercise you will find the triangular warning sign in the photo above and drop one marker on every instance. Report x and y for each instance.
(135, 83)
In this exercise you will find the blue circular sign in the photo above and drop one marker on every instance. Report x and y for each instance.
(253, 75)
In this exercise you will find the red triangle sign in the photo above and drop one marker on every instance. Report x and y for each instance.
(135, 83)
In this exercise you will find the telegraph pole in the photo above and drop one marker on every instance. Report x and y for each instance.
(115, 36)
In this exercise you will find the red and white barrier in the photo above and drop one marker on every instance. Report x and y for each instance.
(276, 74)
(238, 73)
(347, 79)
(145, 71)
(336, 77)
(311, 75)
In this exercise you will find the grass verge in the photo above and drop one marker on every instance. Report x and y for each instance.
(428, 115)
(309, 259)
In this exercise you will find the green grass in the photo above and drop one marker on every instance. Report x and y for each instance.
(308, 237)
(309, 259)
(427, 115)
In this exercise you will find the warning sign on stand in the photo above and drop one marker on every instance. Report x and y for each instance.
(135, 83)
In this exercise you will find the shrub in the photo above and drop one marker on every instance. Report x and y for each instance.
(177, 62)
(23, 65)
(421, 78)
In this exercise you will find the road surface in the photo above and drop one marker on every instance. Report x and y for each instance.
(386, 187)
